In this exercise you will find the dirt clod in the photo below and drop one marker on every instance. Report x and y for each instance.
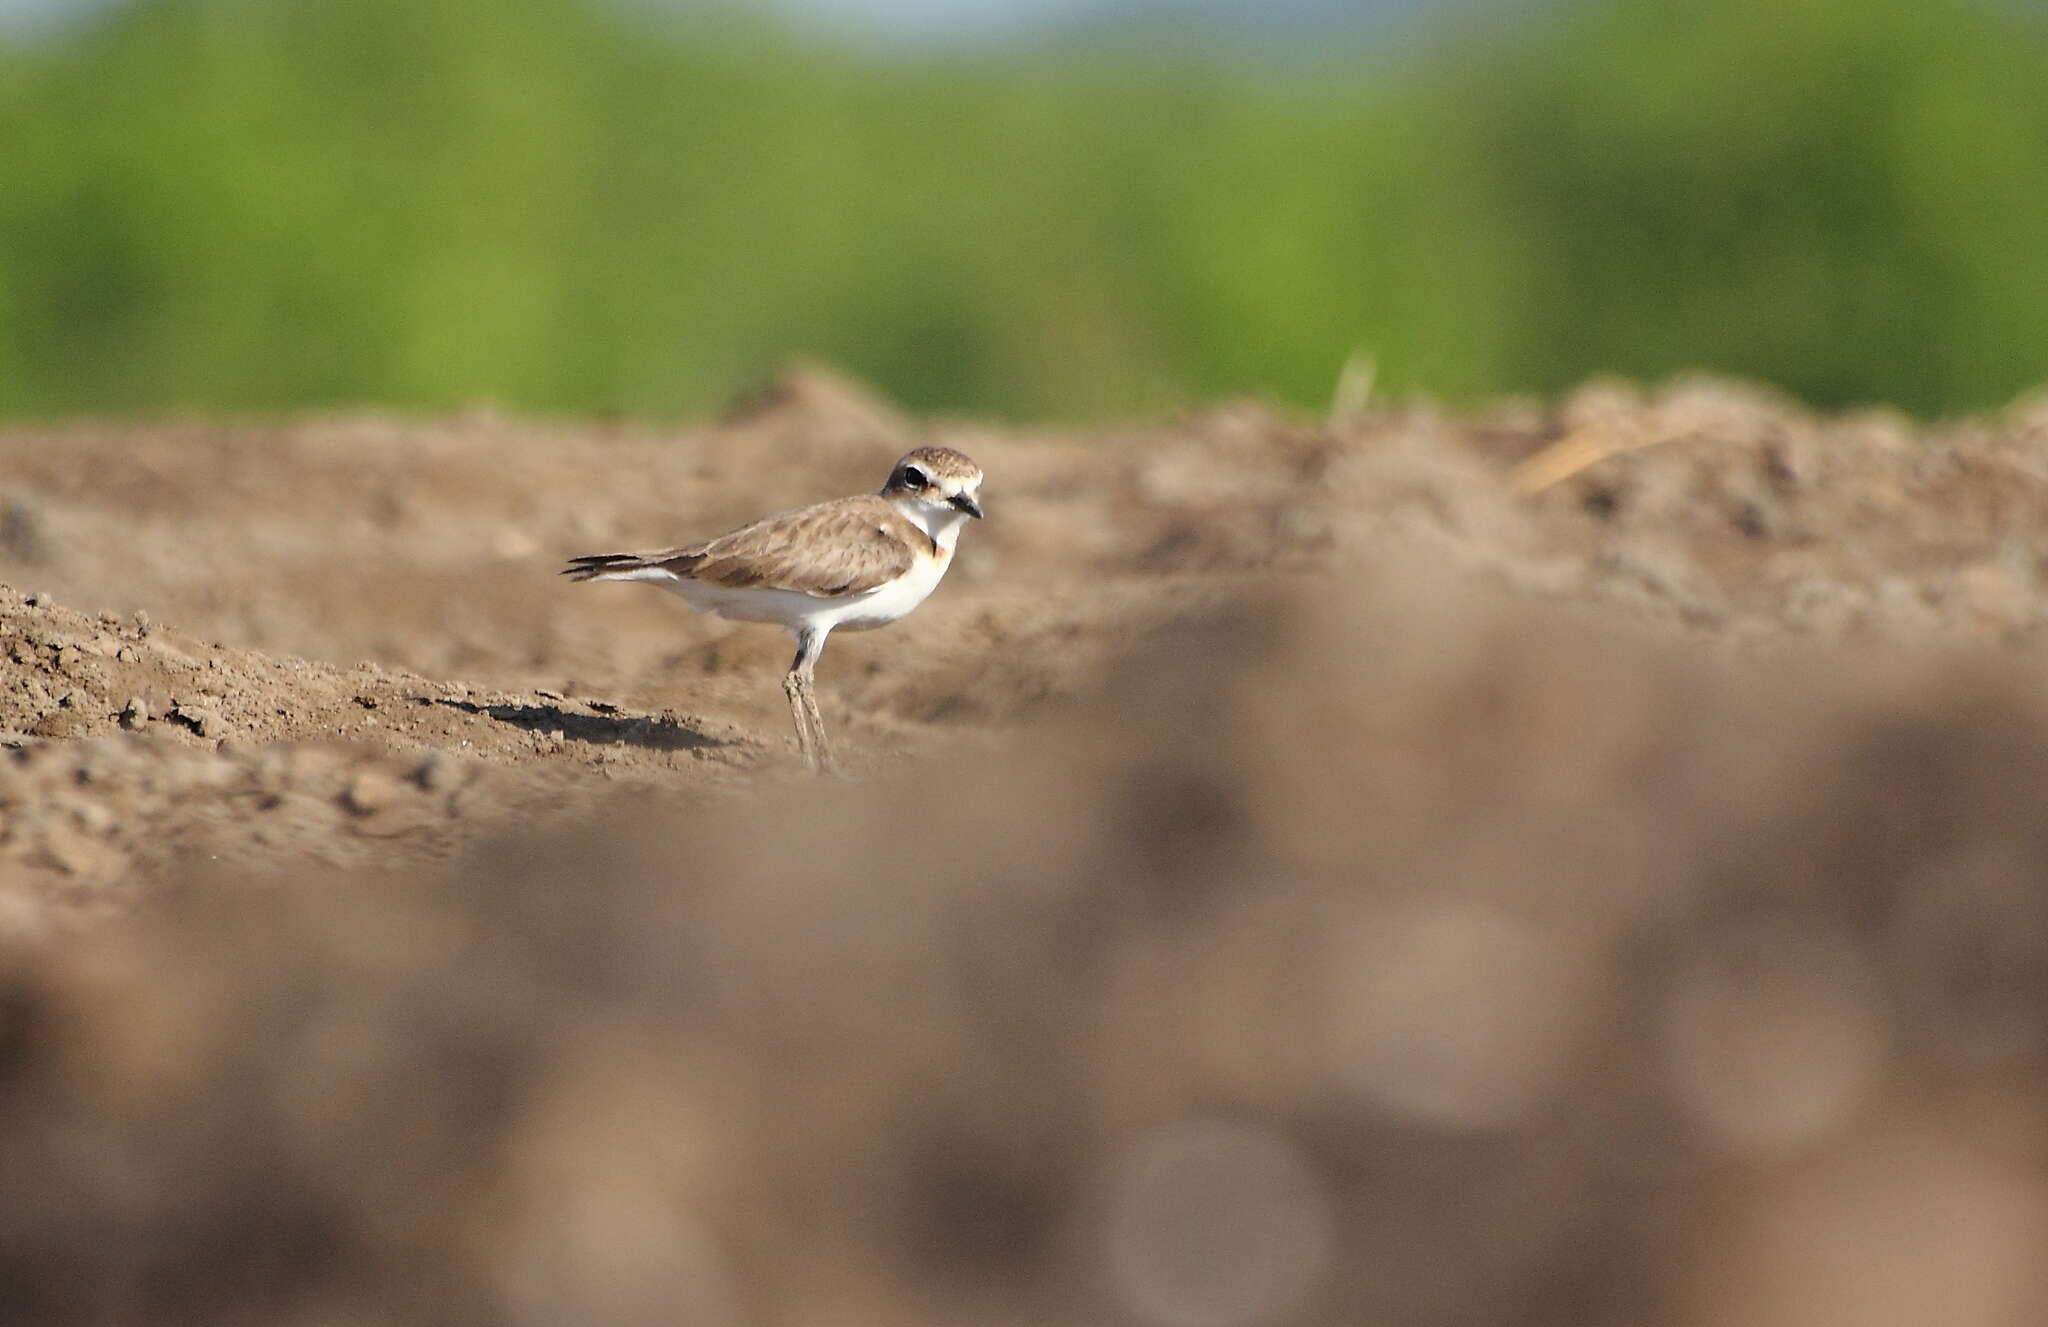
(201, 719)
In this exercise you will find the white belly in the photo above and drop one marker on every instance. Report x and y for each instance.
(795, 610)
(893, 600)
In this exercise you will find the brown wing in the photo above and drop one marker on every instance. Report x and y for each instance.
(844, 547)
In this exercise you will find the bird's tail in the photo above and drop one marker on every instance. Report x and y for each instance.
(612, 567)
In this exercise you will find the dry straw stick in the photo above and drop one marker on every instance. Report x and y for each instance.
(1574, 452)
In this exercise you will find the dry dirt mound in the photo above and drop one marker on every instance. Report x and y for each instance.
(1428, 958)
(1558, 865)
(493, 691)
(133, 745)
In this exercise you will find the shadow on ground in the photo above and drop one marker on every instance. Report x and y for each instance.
(653, 734)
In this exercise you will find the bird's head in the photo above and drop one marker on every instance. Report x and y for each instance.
(939, 484)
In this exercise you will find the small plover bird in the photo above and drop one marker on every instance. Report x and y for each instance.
(851, 564)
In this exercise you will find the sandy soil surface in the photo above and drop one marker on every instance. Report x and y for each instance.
(1568, 863)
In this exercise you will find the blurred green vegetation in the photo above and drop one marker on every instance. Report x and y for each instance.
(235, 205)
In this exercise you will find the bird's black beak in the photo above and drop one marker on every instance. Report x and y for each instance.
(965, 502)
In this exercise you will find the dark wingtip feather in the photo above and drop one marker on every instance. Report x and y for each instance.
(590, 565)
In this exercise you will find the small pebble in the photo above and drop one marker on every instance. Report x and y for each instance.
(135, 713)
(439, 772)
(68, 849)
(93, 818)
(141, 622)
(369, 791)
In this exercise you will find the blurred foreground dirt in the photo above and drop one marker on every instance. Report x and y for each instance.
(1294, 875)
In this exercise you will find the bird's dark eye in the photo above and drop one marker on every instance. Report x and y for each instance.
(914, 477)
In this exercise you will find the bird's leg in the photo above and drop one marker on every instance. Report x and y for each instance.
(827, 764)
(803, 702)
(793, 687)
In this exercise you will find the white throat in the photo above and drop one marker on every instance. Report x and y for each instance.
(940, 522)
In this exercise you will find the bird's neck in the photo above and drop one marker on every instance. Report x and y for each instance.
(940, 524)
